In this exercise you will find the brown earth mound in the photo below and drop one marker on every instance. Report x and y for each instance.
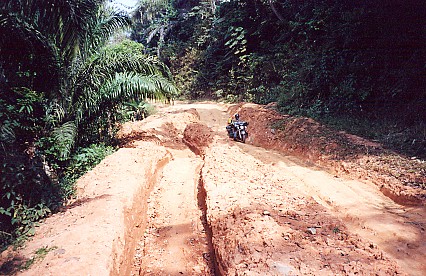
(167, 132)
(197, 137)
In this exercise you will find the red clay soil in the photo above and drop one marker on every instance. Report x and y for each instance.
(181, 198)
(400, 178)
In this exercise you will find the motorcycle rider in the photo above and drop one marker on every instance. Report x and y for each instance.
(231, 124)
(237, 117)
(237, 129)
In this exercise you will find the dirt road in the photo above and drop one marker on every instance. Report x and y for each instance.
(262, 207)
(207, 205)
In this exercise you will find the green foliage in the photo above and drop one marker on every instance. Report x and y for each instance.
(21, 205)
(178, 31)
(135, 110)
(152, 21)
(63, 137)
(313, 57)
(20, 111)
(323, 59)
(62, 90)
(237, 42)
(117, 74)
(86, 74)
(27, 194)
(85, 159)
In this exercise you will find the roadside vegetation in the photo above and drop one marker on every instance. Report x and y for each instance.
(358, 67)
(65, 84)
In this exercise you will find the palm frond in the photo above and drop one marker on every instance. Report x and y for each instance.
(61, 42)
(55, 113)
(64, 137)
(70, 24)
(125, 86)
(128, 61)
(30, 53)
(102, 67)
(7, 135)
(131, 85)
(106, 24)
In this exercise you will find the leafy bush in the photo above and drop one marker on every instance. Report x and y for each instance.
(27, 196)
(135, 110)
(85, 159)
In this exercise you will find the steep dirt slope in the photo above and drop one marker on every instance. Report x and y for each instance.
(94, 235)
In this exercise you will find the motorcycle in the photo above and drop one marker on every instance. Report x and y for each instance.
(238, 131)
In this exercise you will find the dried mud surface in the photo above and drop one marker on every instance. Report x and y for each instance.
(181, 198)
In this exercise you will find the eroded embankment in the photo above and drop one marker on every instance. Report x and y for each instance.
(94, 235)
(400, 178)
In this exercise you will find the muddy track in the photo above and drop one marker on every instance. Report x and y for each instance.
(209, 206)
(178, 238)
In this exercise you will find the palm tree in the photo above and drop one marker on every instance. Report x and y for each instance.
(155, 16)
(59, 44)
(111, 77)
(60, 85)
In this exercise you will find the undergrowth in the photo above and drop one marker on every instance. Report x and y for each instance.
(32, 190)
(407, 140)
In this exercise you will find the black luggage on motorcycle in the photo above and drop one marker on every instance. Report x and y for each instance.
(230, 131)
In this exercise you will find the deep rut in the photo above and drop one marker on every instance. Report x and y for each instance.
(176, 240)
(202, 204)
